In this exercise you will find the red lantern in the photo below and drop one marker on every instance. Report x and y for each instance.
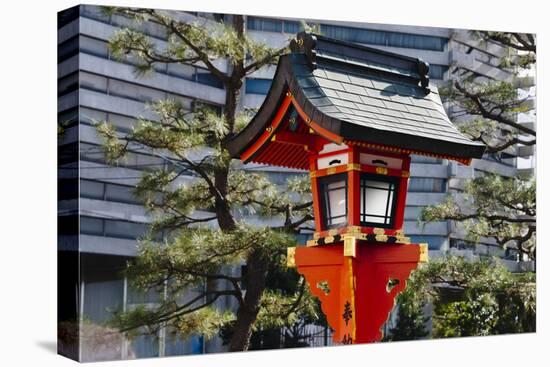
(352, 116)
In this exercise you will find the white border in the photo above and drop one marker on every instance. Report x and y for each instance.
(28, 182)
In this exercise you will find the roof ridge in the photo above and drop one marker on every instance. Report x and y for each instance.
(317, 47)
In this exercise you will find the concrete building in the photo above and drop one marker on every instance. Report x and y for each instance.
(98, 214)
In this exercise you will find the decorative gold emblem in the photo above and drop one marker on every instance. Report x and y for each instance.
(353, 229)
(378, 231)
(329, 239)
(382, 170)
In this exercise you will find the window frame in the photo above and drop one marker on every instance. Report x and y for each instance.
(392, 212)
(323, 193)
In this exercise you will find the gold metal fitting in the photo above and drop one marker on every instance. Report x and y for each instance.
(378, 231)
(423, 253)
(311, 243)
(291, 257)
(354, 167)
(382, 170)
(353, 229)
(350, 246)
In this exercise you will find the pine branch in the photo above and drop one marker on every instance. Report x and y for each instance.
(486, 112)
(252, 67)
(498, 148)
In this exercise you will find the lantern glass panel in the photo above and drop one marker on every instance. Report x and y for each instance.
(378, 201)
(334, 200)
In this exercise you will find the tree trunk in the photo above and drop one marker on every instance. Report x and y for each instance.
(257, 265)
(222, 207)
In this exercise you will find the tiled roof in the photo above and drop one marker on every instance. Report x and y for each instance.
(365, 94)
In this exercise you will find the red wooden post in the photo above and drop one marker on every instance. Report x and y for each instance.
(315, 193)
(368, 282)
(402, 194)
(354, 191)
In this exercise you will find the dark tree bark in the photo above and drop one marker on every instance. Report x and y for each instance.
(257, 265)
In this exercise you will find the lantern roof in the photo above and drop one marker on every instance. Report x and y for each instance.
(355, 95)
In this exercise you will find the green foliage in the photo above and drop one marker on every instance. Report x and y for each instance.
(199, 217)
(186, 43)
(186, 263)
(494, 206)
(469, 299)
(411, 321)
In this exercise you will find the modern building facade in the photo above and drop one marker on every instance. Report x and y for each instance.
(100, 217)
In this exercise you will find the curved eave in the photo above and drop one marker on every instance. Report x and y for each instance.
(293, 67)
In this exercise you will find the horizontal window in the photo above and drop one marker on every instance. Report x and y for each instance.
(68, 15)
(94, 46)
(67, 153)
(99, 48)
(67, 49)
(427, 184)
(384, 38)
(434, 242)
(413, 212)
(207, 78)
(108, 191)
(96, 13)
(67, 84)
(424, 159)
(112, 228)
(437, 71)
(67, 189)
(121, 123)
(273, 25)
(68, 117)
(263, 24)
(94, 82)
(67, 225)
(258, 86)
(94, 153)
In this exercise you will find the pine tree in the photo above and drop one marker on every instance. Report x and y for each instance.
(196, 259)
(468, 299)
(495, 206)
